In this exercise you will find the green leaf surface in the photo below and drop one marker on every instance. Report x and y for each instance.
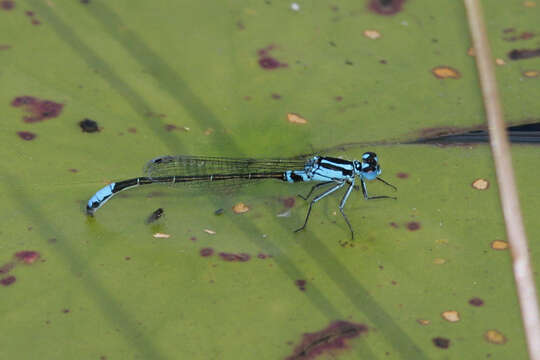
(186, 78)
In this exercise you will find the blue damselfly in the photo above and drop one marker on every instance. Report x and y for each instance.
(326, 171)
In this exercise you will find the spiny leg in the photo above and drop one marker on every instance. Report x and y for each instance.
(367, 197)
(313, 188)
(328, 192)
(387, 183)
(342, 205)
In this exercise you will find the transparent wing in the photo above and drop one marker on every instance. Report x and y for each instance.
(184, 165)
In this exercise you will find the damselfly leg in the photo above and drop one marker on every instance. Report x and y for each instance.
(342, 205)
(367, 197)
(313, 188)
(317, 198)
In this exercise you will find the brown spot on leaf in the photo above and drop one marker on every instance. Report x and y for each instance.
(372, 34)
(480, 184)
(531, 73)
(499, 245)
(495, 337)
(451, 316)
(240, 208)
(296, 119)
(445, 72)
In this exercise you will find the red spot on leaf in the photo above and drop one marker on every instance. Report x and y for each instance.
(8, 280)
(268, 62)
(241, 257)
(26, 256)
(37, 110)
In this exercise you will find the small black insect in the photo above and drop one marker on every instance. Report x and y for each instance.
(155, 216)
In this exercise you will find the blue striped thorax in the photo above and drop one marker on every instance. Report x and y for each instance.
(324, 168)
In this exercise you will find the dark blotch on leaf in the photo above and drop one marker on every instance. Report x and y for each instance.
(441, 342)
(7, 4)
(301, 284)
(26, 135)
(523, 54)
(333, 338)
(8, 280)
(89, 125)
(413, 225)
(386, 7)
(476, 302)
(207, 252)
(219, 211)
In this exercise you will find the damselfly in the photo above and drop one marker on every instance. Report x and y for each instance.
(326, 171)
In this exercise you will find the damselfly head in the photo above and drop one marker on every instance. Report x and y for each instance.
(369, 167)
